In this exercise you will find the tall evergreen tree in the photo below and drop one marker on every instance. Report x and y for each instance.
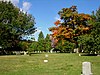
(41, 42)
(41, 36)
(47, 43)
(98, 15)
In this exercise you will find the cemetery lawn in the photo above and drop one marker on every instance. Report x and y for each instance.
(58, 64)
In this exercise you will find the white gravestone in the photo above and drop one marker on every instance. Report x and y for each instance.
(51, 51)
(46, 56)
(86, 68)
(45, 61)
(25, 53)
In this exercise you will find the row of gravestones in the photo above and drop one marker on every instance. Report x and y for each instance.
(86, 67)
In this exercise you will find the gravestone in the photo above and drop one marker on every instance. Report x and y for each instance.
(25, 53)
(46, 58)
(76, 50)
(45, 61)
(86, 68)
(79, 54)
(46, 55)
(51, 51)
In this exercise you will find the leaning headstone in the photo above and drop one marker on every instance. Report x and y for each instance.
(86, 68)
(51, 51)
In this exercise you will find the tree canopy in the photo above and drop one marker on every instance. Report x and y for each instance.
(71, 25)
(13, 24)
(91, 42)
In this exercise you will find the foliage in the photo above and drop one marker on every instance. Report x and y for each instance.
(23, 44)
(41, 36)
(47, 43)
(87, 43)
(65, 46)
(41, 42)
(71, 25)
(98, 15)
(13, 24)
(33, 46)
(91, 42)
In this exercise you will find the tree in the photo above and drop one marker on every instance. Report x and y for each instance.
(13, 24)
(98, 15)
(47, 43)
(23, 45)
(71, 25)
(33, 47)
(41, 42)
(65, 46)
(91, 42)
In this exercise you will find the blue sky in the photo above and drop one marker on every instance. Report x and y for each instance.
(45, 11)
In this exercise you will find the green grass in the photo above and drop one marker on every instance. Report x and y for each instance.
(59, 64)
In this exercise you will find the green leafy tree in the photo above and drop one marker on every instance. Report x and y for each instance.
(91, 42)
(14, 24)
(87, 43)
(23, 45)
(33, 47)
(65, 46)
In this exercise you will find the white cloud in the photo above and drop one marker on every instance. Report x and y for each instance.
(26, 6)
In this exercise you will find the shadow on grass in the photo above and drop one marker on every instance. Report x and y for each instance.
(86, 54)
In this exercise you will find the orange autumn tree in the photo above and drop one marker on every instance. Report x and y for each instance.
(70, 25)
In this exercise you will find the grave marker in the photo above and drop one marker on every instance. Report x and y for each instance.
(46, 55)
(46, 60)
(86, 68)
